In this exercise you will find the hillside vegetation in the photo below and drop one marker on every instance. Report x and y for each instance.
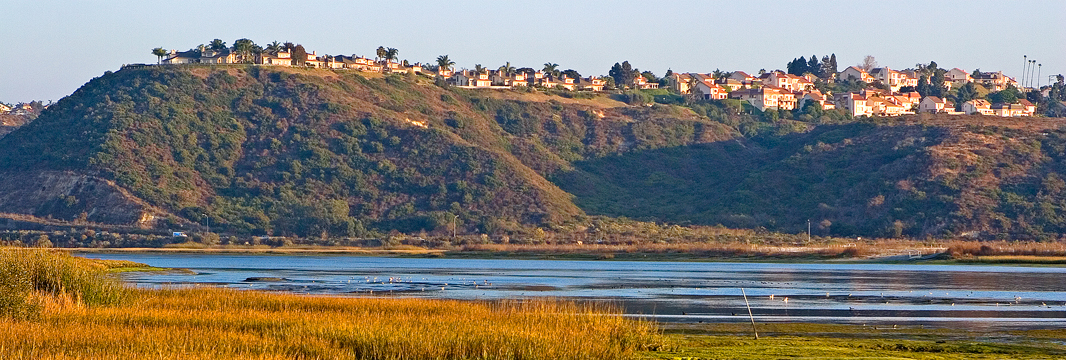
(317, 153)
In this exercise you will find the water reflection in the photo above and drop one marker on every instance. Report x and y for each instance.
(1007, 296)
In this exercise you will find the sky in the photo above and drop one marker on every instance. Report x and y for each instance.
(53, 47)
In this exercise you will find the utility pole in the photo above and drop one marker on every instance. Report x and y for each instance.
(808, 230)
(750, 316)
(1031, 67)
(1025, 68)
(208, 222)
(1038, 68)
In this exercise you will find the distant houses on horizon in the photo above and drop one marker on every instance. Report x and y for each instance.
(881, 91)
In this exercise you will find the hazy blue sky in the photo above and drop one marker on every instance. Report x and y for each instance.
(53, 47)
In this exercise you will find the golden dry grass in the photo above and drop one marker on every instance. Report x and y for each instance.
(212, 323)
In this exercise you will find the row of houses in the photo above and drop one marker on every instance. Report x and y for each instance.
(19, 109)
(780, 90)
(285, 58)
(512, 79)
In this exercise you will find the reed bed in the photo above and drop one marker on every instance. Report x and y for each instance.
(214, 323)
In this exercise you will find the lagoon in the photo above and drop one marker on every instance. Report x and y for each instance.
(957, 296)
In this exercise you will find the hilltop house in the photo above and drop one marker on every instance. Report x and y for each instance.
(470, 78)
(767, 97)
(893, 79)
(855, 104)
(977, 107)
(712, 91)
(933, 104)
(591, 84)
(742, 77)
(957, 75)
(854, 73)
(994, 81)
(224, 56)
(817, 97)
(640, 82)
(787, 81)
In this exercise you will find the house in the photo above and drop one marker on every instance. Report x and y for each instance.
(334, 62)
(742, 77)
(885, 107)
(854, 73)
(4, 108)
(712, 91)
(1030, 109)
(817, 97)
(640, 82)
(679, 82)
(282, 58)
(224, 56)
(892, 78)
(933, 104)
(957, 75)
(567, 83)
(444, 73)
(470, 78)
(855, 104)
(1011, 110)
(908, 101)
(977, 107)
(994, 81)
(767, 97)
(590, 84)
(787, 81)
(182, 57)
(730, 84)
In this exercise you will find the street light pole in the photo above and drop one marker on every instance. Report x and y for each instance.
(808, 230)
(1025, 68)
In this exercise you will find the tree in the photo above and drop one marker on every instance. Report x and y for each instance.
(159, 53)
(814, 67)
(245, 49)
(380, 52)
(571, 73)
(623, 74)
(797, 66)
(288, 46)
(965, 93)
(506, 69)
(42, 242)
(299, 55)
(936, 82)
(217, 45)
(444, 62)
(274, 48)
(551, 69)
(478, 69)
(831, 68)
(868, 63)
(391, 54)
(923, 88)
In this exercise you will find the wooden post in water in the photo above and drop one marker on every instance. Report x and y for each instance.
(752, 317)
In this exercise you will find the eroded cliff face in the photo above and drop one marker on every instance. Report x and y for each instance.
(70, 196)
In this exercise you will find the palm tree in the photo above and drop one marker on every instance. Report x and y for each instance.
(274, 48)
(444, 63)
(159, 53)
(381, 52)
(479, 69)
(551, 69)
(288, 46)
(391, 53)
(217, 45)
(506, 69)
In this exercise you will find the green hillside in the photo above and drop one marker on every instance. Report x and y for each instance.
(891, 179)
(312, 152)
(284, 151)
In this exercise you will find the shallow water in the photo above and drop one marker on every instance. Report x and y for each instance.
(970, 296)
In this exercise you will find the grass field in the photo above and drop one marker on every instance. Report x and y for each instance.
(72, 319)
(819, 341)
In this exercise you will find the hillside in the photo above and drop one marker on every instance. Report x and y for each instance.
(939, 177)
(316, 153)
